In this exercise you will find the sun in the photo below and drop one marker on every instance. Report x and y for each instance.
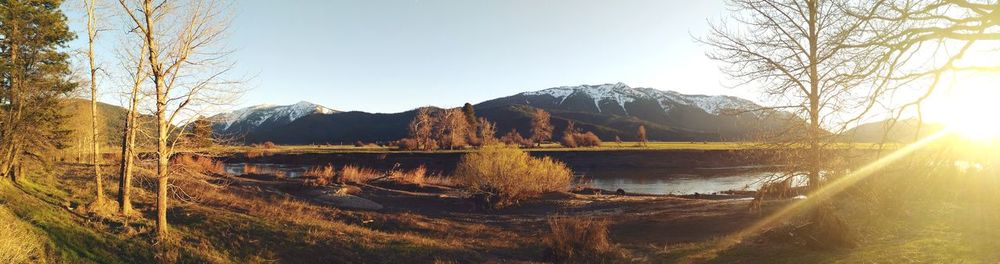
(972, 112)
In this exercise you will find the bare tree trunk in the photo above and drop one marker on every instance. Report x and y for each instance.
(128, 153)
(162, 151)
(814, 102)
(91, 34)
(128, 141)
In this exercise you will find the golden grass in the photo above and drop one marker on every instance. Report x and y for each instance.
(415, 176)
(355, 174)
(506, 175)
(18, 244)
(321, 175)
(575, 239)
(199, 163)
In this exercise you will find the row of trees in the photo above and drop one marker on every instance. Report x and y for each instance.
(459, 127)
(171, 57)
(448, 129)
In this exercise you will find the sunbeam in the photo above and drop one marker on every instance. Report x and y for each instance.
(826, 191)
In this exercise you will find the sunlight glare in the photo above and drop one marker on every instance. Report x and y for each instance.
(971, 112)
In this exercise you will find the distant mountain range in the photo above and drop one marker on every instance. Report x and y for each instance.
(261, 118)
(608, 110)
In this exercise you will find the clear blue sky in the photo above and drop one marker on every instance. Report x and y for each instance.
(396, 55)
(389, 56)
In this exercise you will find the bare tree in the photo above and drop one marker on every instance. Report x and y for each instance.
(187, 66)
(641, 133)
(451, 129)
(421, 127)
(487, 132)
(942, 31)
(131, 128)
(813, 58)
(541, 127)
(91, 7)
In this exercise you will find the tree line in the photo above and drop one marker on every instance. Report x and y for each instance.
(459, 128)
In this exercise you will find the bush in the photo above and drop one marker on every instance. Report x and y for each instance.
(199, 163)
(407, 144)
(269, 145)
(588, 139)
(515, 139)
(415, 176)
(502, 175)
(319, 176)
(356, 174)
(573, 240)
(577, 139)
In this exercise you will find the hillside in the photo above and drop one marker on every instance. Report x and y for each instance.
(111, 119)
(900, 132)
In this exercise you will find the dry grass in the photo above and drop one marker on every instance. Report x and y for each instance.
(18, 244)
(199, 163)
(355, 174)
(415, 176)
(440, 180)
(575, 239)
(502, 175)
(320, 176)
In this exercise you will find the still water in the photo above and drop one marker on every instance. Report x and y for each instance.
(707, 180)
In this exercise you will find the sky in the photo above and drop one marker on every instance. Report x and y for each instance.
(396, 55)
(391, 56)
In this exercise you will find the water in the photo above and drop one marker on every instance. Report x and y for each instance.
(680, 183)
(648, 181)
(289, 170)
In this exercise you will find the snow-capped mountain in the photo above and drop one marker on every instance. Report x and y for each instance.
(260, 117)
(617, 95)
(685, 116)
(608, 110)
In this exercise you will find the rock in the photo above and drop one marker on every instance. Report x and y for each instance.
(347, 201)
(620, 192)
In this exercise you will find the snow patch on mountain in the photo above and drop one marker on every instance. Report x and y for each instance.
(621, 94)
(258, 114)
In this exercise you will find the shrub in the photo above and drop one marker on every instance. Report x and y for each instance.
(356, 174)
(407, 144)
(568, 140)
(573, 239)
(578, 139)
(415, 176)
(588, 139)
(502, 175)
(269, 145)
(321, 175)
(515, 139)
(199, 163)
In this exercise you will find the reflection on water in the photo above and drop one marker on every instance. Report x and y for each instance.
(289, 170)
(681, 183)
